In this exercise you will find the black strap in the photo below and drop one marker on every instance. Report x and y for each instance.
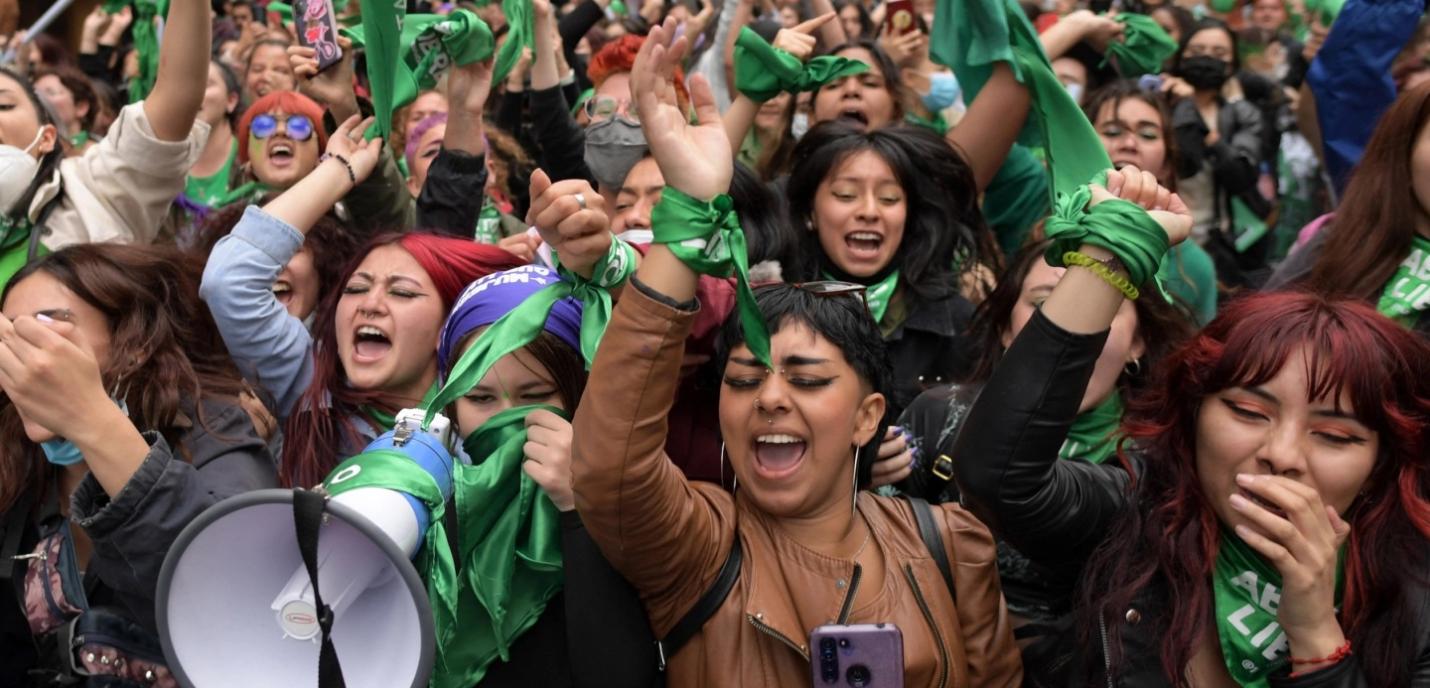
(704, 608)
(454, 541)
(308, 518)
(928, 530)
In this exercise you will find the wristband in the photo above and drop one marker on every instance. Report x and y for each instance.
(1341, 653)
(352, 177)
(1101, 269)
(1121, 227)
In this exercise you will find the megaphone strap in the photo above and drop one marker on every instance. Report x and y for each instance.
(308, 519)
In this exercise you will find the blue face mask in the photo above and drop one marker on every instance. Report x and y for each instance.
(62, 452)
(943, 91)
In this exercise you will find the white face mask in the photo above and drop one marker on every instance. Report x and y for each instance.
(17, 169)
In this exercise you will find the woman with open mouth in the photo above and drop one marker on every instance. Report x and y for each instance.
(280, 138)
(800, 435)
(1268, 524)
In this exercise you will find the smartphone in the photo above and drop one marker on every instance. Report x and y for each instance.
(858, 656)
(317, 28)
(899, 16)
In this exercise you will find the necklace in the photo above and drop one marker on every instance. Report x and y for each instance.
(868, 532)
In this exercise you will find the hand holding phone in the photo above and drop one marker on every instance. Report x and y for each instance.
(317, 28)
(858, 656)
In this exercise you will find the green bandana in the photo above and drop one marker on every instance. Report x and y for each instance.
(708, 239)
(878, 294)
(78, 140)
(1092, 435)
(510, 549)
(1144, 47)
(1247, 592)
(406, 54)
(522, 324)
(283, 10)
(1407, 294)
(146, 41)
(386, 421)
(15, 246)
(763, 71)
(488, 224)
(213, 189)
(1116, 225)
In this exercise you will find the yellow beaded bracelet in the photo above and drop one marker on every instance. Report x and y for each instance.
(1097, 267)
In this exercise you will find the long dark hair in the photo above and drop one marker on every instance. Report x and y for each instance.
(1126, 89)
(1161, 325)
(1375, 223)
(164, 349)
(1171, 534)
(942, 225)
(49, 162)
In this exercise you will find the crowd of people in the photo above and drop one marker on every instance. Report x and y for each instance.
(1084, 344)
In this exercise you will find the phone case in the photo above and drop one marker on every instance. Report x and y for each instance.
(317, 28)
(857, 656)
(901, 16)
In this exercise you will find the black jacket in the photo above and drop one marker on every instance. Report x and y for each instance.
(1057, 512)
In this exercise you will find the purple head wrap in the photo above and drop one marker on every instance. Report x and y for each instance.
(491, 297)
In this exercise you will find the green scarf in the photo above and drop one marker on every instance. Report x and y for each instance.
(1092, 437)
(386, 421)
(406, 54)
(78, 140)
(15, 246)
(510, 549)
(707, 238)
(146, 41)
(1116, 225)
(1144, 48)
(488, 224)
(1247, 591)
(878, 295)
(213, 189)
(763, 71)
(1407, 294)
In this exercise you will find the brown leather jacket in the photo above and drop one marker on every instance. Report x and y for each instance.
(669, 537)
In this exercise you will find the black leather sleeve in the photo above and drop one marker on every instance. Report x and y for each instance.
(1055, 512)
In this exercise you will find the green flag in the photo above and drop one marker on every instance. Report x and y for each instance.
(146, 41)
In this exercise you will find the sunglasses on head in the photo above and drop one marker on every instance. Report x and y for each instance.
(836, 288)
(297, 127)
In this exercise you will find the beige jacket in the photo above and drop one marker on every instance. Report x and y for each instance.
(120, 189)
(669, 538)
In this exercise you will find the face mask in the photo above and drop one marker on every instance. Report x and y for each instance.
(17, 170)
(613, 147)
(1074, 90)
(62, 452)
(943, 91)
(799, 126)
(1204, 72)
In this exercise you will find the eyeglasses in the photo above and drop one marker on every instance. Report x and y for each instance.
(836, 288)
(297, 127)
(606, 106)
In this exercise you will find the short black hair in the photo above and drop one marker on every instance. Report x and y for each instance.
(842, 319)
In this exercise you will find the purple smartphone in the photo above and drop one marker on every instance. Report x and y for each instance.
(859, 656)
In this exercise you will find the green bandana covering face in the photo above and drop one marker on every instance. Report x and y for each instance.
(146, 41)
(1407, 294)
(406, 54)
(1247, 594)
(878, 294)
(708, 239)
(763, 71)
(1092, 436)
(1144, 48)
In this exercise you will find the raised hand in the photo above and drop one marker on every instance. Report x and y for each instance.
(51, 375)
(1136, 186)
(347, 142)
(331, 88)
(896, 459)
(694, 158)
(469, 86)
(799, 39)
(548, 456)
(571, 217)
(905, 49)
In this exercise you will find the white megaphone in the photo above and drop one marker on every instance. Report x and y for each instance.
(235, 604)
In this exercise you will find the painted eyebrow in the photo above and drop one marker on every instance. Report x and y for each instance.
(789, 361)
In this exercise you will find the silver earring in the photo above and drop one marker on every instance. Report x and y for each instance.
(854, 502)
(734, 478)
(1133, 367)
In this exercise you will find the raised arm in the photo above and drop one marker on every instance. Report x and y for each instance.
(452, 196)
(183, 71)
(990, 127)
(798, 41)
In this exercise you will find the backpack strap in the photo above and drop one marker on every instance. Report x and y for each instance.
(928, 530)
(704, 608)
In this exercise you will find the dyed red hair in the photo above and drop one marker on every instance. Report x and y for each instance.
(322, 423)
(289, 102)
(1172, 533)
(620, 56)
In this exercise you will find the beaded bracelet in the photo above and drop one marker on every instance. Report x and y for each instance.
(352, 177)
(1117, 281)
(1334, 658)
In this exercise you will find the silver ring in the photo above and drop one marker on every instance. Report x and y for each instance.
(580, 199)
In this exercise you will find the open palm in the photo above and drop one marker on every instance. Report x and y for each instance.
(694, 158)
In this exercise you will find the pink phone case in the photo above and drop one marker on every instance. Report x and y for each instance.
(857, 656)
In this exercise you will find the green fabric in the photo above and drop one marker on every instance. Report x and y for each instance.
(1246, 592)
(15, 246)
(1407, 294)
(707, 238)
(1189, 274)
(986, 32)
(283, 10)
(1144, 48)
(1092, 437)
(1246, 225)
(78, 140)
(213, 189)
(408, 53)
(1223, 6)
(1017, 198)
(146, 41)
(878, 295)
(510, 549)
(1119, 226)
(1325, 10)
(938, 125)
(763, 71)
(248, 191)
(488, 224)
(521, 33)
(386, 421)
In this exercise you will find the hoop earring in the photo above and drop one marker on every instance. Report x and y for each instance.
(734, 479)
(1132, 368)
(854, 500)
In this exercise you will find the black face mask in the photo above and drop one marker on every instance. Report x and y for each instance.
(1205, 73)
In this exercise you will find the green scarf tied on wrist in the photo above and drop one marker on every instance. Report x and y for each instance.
(763, 71)
(1092, 437)
(1144, 48)
(1119, 226)
(706, 236)
(1247, 594)
(406, 54)
(146, 41)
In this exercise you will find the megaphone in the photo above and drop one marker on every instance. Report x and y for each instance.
(235, 605)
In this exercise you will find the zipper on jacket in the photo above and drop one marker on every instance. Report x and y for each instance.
(928, 616)
(761, 627)
(1106, 649)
